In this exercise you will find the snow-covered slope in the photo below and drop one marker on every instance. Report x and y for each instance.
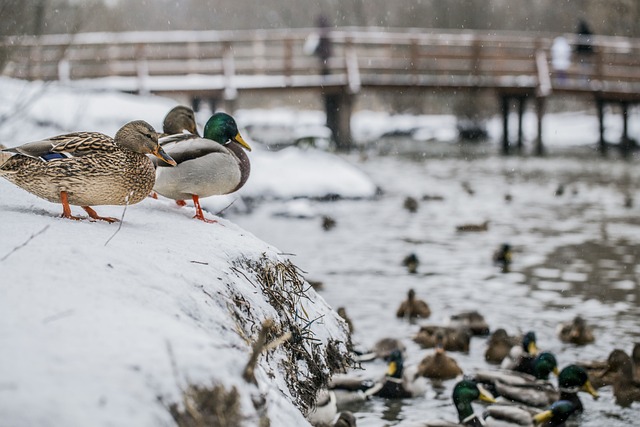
(100, 326)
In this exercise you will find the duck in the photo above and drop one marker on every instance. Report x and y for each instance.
(180, 120)
(88, 168)
(410, 204)
(398, 382)
(526, 389)
(521, 356)
(325, 408)
(635, 357)
(499, 346)
(455, 339)
(412, 262)
(439, 365)
(625, 387)
(576, 332)
(598, 370)
(504, 415)
(502, 257)
(473, 228)
(214, 165)
(382, 349)
(3, 156)
(413, 308)
(464, 393)
(471, 320)
(345, 419)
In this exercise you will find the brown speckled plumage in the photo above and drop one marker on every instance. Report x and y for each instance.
(92, 168)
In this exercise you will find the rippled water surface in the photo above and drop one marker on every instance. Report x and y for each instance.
(575, 253)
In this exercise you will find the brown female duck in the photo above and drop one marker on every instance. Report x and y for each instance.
(576, 332)
(413, 307)
(439, 365)
(88, 168)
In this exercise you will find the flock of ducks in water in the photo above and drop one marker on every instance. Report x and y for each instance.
(89, 168)
(518, 387)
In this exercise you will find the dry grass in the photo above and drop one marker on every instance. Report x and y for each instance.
(208, 407)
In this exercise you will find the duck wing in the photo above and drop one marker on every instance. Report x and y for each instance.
(193, 149)
(65, 146)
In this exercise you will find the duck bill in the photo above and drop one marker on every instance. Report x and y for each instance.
(543, 417)
(241, 141)
(589, 389)
(393, 367)
(160, 153)
(556, 371)
(485, 396)
(532, 349)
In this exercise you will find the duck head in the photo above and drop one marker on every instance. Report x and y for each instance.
(573, 378)
(179, 120)
(396, 364)
(544, 364)
(140, 137)
(529, 343)
(223, 129)
(465, 392)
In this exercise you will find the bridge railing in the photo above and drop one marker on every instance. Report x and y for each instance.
(237, 60)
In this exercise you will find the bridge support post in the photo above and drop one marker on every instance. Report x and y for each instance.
(338, 107)
(625, 143)
(505, 123)
(521, 105)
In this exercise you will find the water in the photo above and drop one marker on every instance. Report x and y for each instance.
(575, 253)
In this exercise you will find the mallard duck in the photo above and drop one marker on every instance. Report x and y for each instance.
(3, 155)
(345, 419)
(635, 357)
(625, 388)
(213, 165)
(521, 356)
(399, 383)
(439, 365)
(411, 261)
(526, 389)
(381, 350)
(499, 346)
(413, 307)
(325, 408)
(502, 257)
(180, 120)
(473, 227)
(471, 320)
(88, 168)
(464, 393)
(455, 339)
(598, 370)
(575, 332)
(410, 204)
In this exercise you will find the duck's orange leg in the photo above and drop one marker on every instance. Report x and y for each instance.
(66, 209)
(181, 203)
(199, 214)
(94, 215)
(153, 195)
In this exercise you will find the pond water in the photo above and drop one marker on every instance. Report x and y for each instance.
(574, 253)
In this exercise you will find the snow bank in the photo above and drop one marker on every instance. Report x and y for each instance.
(110, 332)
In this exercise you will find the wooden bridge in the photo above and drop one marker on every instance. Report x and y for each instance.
(219, 66)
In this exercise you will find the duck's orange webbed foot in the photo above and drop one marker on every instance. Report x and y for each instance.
(66, 209)
(94, 215)
(199, 213)
(181, 203)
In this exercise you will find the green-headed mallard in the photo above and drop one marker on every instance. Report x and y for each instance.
(413, 307)
(209, 166)
(412, 262)
(576, 332)
(455, 339)
(439, 365)
(503, 256)
(499, 345)
(88, 168)
(526, 389)
(523, 354)
(399, 383)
